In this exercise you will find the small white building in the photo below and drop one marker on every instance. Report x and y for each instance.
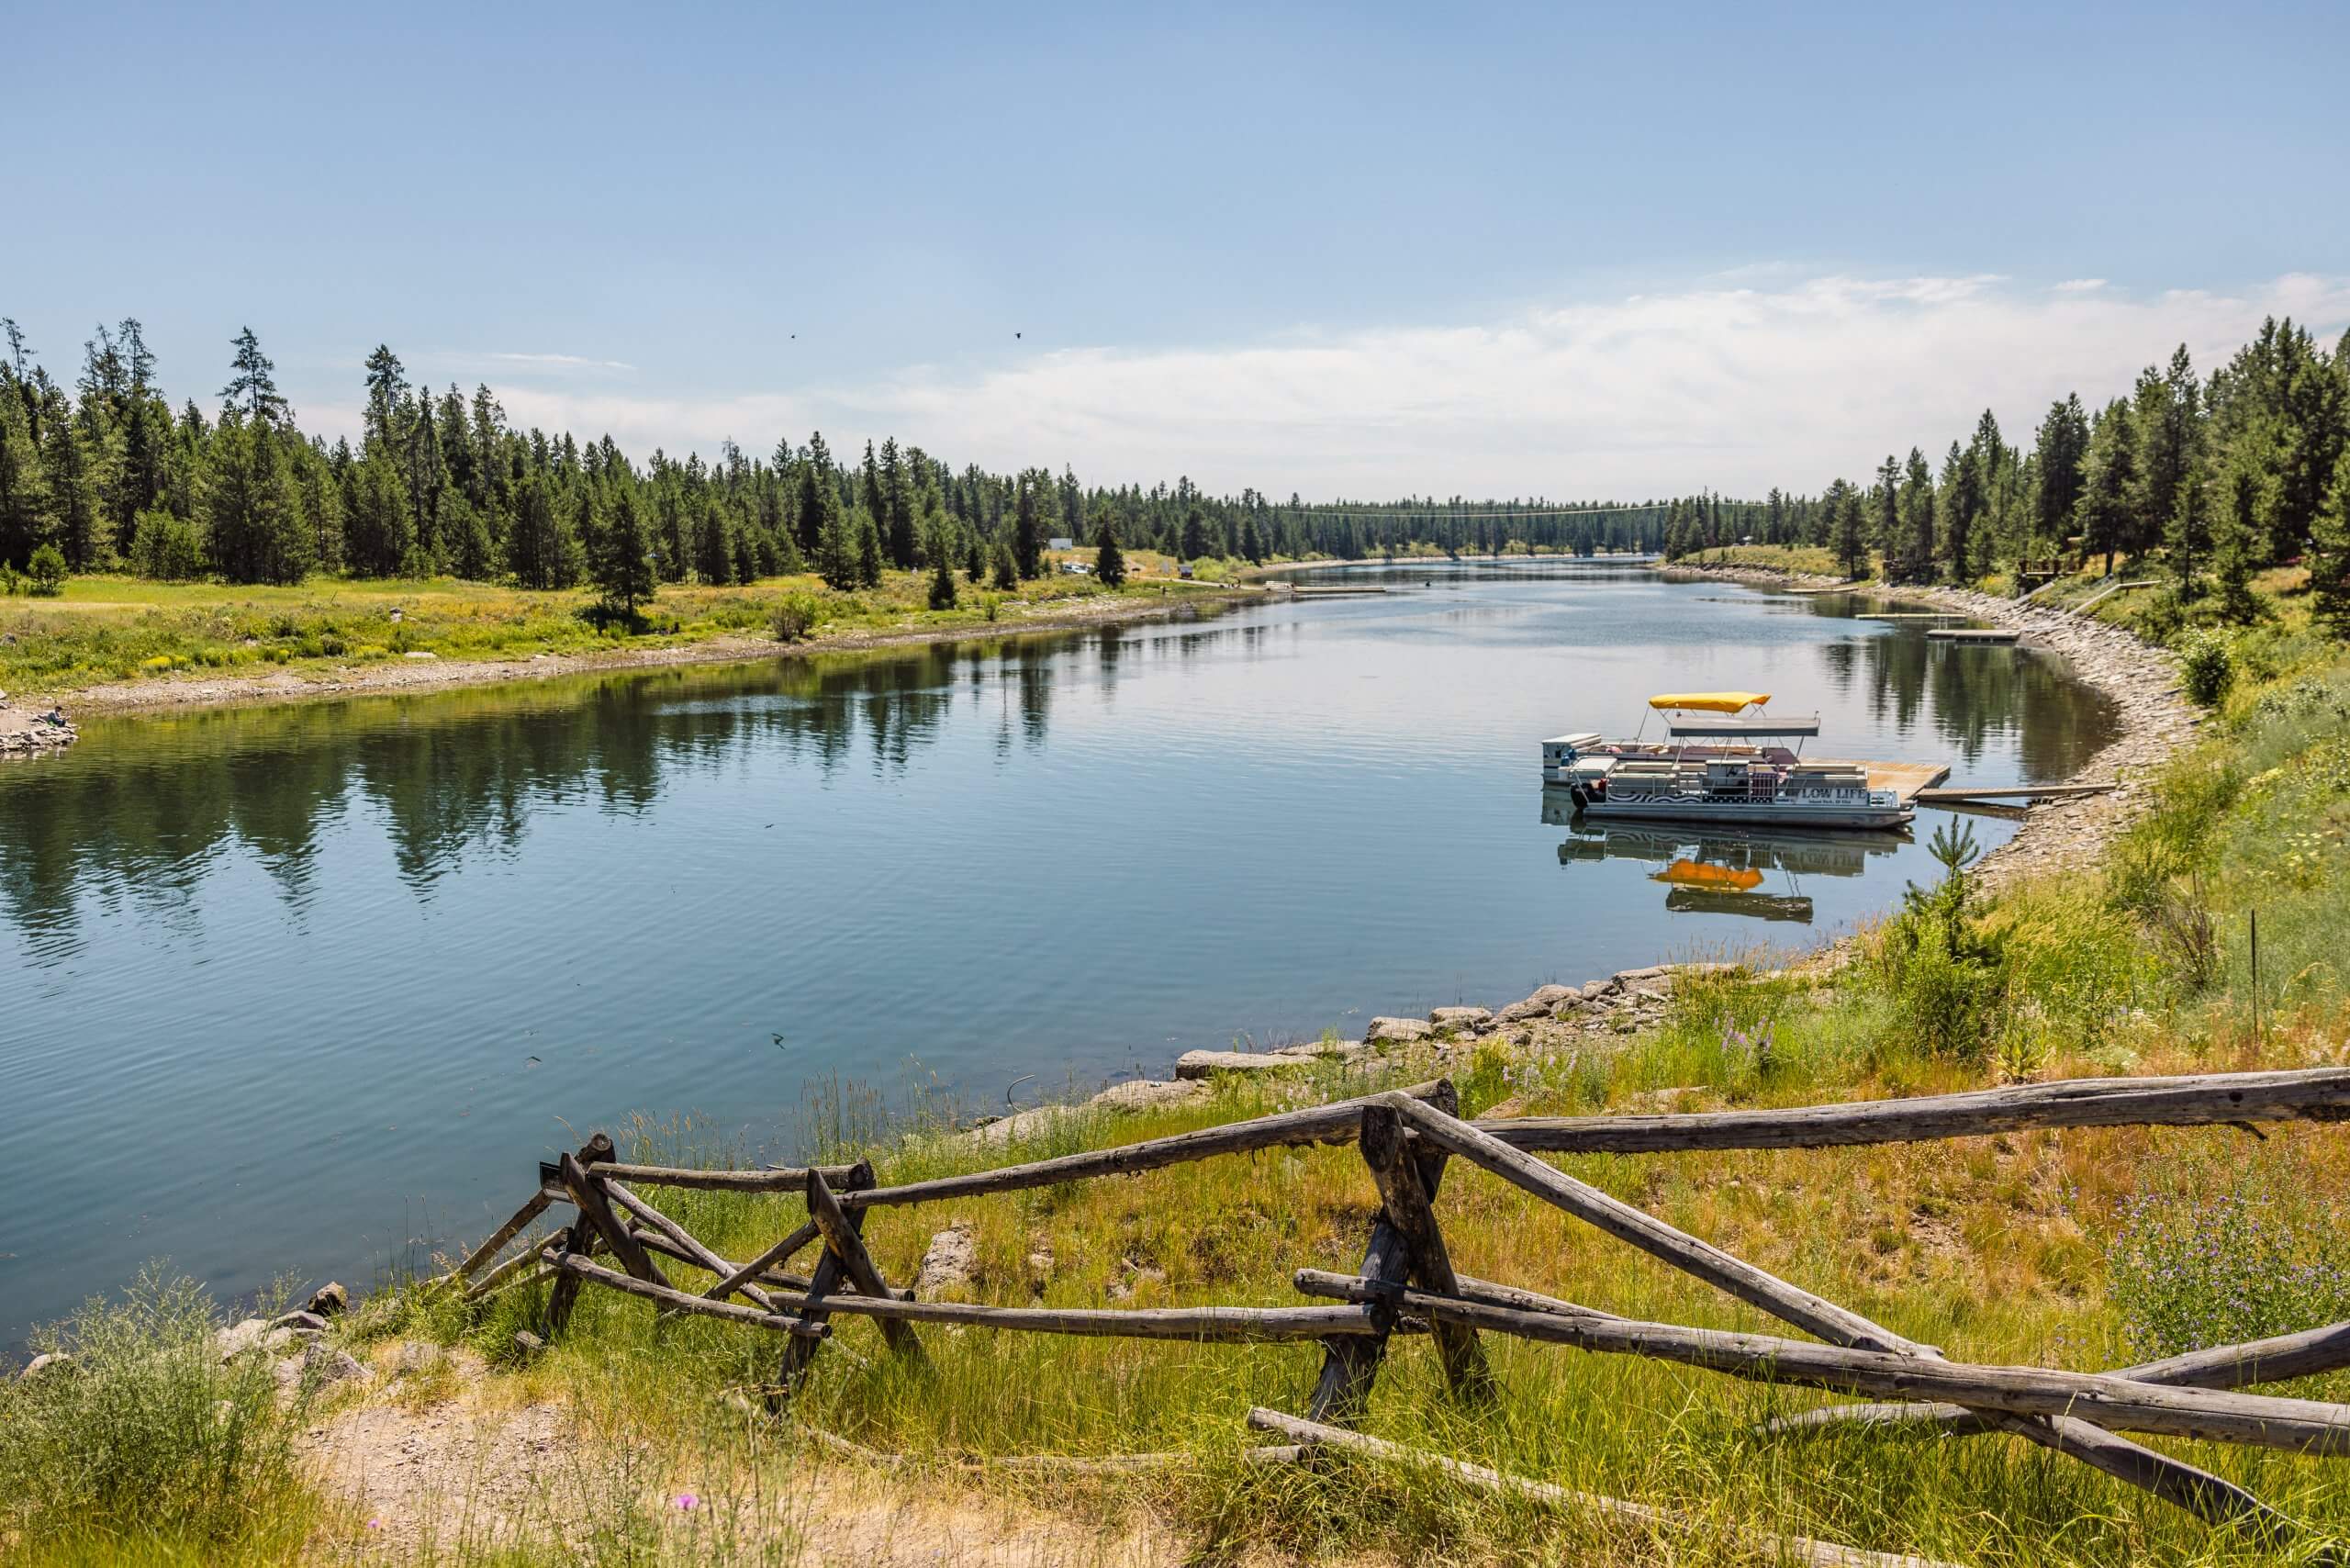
(1060, 543)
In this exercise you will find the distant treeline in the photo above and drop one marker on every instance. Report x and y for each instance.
(111, 477)
(2221, 475)
(2218, 477)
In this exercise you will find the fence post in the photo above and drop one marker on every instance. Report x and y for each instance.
(1350, 1365)
(579, 1239)
(1407, 1201)
(824, 1280)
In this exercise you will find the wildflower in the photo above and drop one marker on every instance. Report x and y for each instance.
(376, 1521)
(688, 1500)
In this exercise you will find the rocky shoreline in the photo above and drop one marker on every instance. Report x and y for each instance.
(29, 732)
(2140, 680)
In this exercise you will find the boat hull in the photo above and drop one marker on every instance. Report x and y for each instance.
(1762, 816)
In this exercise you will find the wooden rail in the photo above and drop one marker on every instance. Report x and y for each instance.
(1408, 1283)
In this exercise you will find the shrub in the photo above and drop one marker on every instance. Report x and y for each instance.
(2208, 666)
(166, 548)
(1944, 974)
(2191, 1271)
(46, 571)
(793, 617)
(144, 1431)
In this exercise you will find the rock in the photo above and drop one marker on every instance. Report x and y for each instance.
(411, 1357)
(419, 653)
(328, 1301)
(319, 1366)
(49, 1363)
(1461, 1020)
(1396, 1031)
(527, 1344)
(1538, 1006)
(949, 1259)
(1040, 1259)
(310, 1320)
(1144, 1094)
(277, 1341)
(1313, 1050)
(1199, 1064)
(239, 1339)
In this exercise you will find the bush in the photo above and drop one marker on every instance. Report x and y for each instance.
(46, 571)
(2191, 1271)
(2208, 666)
(166, 548)
(144, 1431)
(1945, 975)
(794, 617)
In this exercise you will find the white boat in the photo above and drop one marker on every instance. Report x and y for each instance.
(1714, 768)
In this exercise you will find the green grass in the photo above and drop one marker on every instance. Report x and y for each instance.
(119, 628)
(1815, 558)
(2029, 1248)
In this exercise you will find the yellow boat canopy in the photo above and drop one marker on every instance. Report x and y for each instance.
(1710, 701)
(1687, 873)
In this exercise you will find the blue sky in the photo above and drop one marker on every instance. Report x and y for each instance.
(1322, 249)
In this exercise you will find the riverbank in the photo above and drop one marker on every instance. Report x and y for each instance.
(422, 671)
(2137, 678)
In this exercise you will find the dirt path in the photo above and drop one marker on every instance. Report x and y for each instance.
(418, 1477)
(423, 674)
(2140, 679)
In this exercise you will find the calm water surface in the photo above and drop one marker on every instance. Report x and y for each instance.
(314, 987)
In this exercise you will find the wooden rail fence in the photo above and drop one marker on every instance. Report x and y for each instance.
(1406, 1283)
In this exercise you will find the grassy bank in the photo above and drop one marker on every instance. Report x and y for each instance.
(103, 629)
(2082, 1250)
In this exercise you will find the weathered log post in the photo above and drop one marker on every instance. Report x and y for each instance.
(564, 1294)
(824, 1280)
(1350, 1366)
(1405, 1199)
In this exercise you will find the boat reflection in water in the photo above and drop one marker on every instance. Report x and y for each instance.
(1719, 870)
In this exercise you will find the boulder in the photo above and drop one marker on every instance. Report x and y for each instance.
(328, 1300)
(1144, 1093)
(1314, 1049)
(1199, 1064)
(949, 1259)
(239, 1339)
(1461, 1020)
(319, 1366)
(309, 1321)
(1396, 1031)
(1537, 1005)
(411, 1357)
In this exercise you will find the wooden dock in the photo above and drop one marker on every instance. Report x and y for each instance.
(2011, 793)
(1989, 634)
(1334, 592)
(1905, 780)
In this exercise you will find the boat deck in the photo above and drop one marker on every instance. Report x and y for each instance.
(1903, 779)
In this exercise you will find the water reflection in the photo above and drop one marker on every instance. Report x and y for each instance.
(1721, 870)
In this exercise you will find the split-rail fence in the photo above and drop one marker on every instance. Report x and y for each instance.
(1406, 1283)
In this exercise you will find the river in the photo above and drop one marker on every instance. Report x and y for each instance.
(312, 987)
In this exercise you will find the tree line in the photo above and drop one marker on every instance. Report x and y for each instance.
(109, 475)
(2215, 475)
(2209, 478)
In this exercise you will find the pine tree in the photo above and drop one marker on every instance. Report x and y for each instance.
(2236, 538)
(975, 555)
(1109, 560)
(942, 582)
(868, 534)
(620, 555)
(819, 497)
(1007, 569)
(254, 385)
(2188, 537)
(1848, 527)
(252, 513)
(2330, 553)
(1031, 506)
(2104, 514)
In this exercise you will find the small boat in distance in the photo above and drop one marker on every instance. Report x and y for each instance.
(1714, 766)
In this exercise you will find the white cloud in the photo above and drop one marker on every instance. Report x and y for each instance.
(1738, 387)
(2080, 286)
(558, 361)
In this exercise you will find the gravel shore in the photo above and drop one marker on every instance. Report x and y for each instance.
(2140, 679)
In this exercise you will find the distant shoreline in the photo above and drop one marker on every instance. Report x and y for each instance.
(421, 676)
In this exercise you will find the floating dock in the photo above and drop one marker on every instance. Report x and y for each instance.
(1990, 634)
(2011, 793)
(1905, 780)
(1335, 592)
